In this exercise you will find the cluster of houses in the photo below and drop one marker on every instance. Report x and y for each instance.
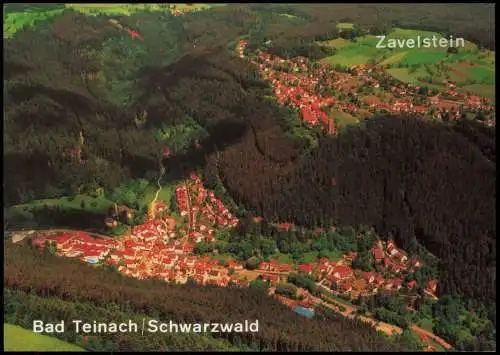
(294, 89)
(297, 83)
(203, 209)
(146, 254)
(78, 244)
(341, 278)
(159, 247)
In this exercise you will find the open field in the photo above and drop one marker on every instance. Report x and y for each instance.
(403, 74)
(17, 21)
(394, 59)
(363, 50)
(97, 205)
(283, 258)
(426, 324)
(423, 56)
(482, 74)
(345, 25)
(130, 9)
(343, 119)
(479, 89)
(111, 9)
(19, 339)
(194, 7)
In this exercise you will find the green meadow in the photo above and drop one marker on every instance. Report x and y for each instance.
(16, 338)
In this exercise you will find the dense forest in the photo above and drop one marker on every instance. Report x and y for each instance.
(45, 276)
(82, 99)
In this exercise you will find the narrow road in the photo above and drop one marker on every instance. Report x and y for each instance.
(158, 183)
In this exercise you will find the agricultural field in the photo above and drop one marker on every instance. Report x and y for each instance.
(363, 50)
(394, 59)
(423, 56)
(16, 338)
(18, 18)
(479, 89)
(335, 43)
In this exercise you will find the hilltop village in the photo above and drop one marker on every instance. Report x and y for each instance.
(320, 91)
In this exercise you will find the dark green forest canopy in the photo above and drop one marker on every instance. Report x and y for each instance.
(80, 74)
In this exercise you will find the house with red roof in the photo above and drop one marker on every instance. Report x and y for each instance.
(379, 279)
(431, 286)
(306, 268)
(235, 265)
(369, 277)
(378, 254)
(346, 287)
(341, 272)
(411, 285)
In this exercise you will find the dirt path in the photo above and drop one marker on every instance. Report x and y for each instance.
(158, 183)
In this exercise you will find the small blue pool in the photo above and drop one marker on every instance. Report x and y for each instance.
(304, 312)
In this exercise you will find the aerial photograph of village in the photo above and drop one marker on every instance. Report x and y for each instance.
(249, 177)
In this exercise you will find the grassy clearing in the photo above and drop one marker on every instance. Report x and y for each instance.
(288, 15)
(335, 255)
(346, 61)
(196, 7)
(130, 9)
(19, 339)
(411, 33)
(343, 119)
(335, 43)
(283, 258)
(481, 74)
(424, 57)
(91, 204)
(479, 89)
(364, 49)
(166, 194)
(426, 324)
(18, 21)
(309, 257)
(394, 59)
(403, 74)
(345, 25)
(114, 9)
